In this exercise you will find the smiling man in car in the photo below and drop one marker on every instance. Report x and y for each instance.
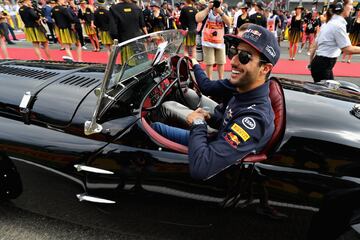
(245, 120)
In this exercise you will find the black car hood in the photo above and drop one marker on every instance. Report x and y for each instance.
(59, 88)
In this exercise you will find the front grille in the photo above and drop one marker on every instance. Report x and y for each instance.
(29, 73)
(80, 81)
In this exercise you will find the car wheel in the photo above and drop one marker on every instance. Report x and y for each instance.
(10, 182)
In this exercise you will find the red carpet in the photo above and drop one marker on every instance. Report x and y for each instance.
(283, 66)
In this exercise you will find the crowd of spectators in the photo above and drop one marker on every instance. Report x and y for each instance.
(202, 24)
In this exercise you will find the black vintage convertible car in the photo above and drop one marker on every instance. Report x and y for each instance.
(76, 143)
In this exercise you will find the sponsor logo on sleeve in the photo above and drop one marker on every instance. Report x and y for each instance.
(232, 139)
(249, 123)
(240, 132)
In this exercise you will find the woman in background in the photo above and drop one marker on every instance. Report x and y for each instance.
(295, 32)
(32, 30)
(86, 13)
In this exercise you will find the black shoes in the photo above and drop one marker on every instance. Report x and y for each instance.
(11, 43)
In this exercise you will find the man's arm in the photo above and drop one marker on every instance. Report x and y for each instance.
(200, 16)
(235, 142)
(224, 17)
(208, 87)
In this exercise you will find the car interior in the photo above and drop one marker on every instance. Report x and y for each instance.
(181, 78)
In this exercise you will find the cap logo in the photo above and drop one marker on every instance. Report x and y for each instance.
(252, 34)
(270, 50)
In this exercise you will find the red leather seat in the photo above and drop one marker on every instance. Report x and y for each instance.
(278, 105)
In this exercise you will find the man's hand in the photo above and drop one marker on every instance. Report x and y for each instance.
(197, 114)
(210, 5)
(194, 61)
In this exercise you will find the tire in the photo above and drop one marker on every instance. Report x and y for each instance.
(10, 182)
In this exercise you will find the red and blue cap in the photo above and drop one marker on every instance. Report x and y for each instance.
(259, 38)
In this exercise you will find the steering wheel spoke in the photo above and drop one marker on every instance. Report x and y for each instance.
(185, 80)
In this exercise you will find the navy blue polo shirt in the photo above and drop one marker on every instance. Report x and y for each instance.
(245, 122)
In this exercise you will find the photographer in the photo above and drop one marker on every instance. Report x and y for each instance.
(212, 37)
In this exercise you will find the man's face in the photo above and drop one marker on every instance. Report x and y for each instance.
(243, 75)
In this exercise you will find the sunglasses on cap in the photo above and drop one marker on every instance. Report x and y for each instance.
(244, 56)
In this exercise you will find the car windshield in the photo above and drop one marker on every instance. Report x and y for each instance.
(140, 54)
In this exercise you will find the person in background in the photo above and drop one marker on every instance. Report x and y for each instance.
(158, 18)
(295, 31)
(243, 18)
(236, 15)
(176, 16)
(32, 31)
(258, 17)
(165, 12)
(2, 40)
(273, 24)
(126, 22)
(66, 29)
(147, 16)
(46, 9)
(101, 20)
(331, 41)
(212, 37)
(354, 33)
(283, 24)
(312, 27)
(5, 28)
(188, 23)
(252, 10)
(86, 14)
(12, 9)
(74, 11)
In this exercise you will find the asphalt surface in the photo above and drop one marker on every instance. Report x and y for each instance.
(19, 223)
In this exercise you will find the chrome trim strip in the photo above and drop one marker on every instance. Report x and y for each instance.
(80, 167)
(85, 197)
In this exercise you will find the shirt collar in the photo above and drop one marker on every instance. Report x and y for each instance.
(260, 92)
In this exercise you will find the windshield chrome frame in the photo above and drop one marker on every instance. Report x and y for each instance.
(91, 127)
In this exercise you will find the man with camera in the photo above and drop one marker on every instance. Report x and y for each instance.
(212, 36)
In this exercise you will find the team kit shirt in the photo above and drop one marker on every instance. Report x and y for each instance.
(213, 32)
(245, 122)
(259, 19)
(126, 21)
(241, 20)
(63, 18)
(28, 16)
(187, 18)
(101, 19)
